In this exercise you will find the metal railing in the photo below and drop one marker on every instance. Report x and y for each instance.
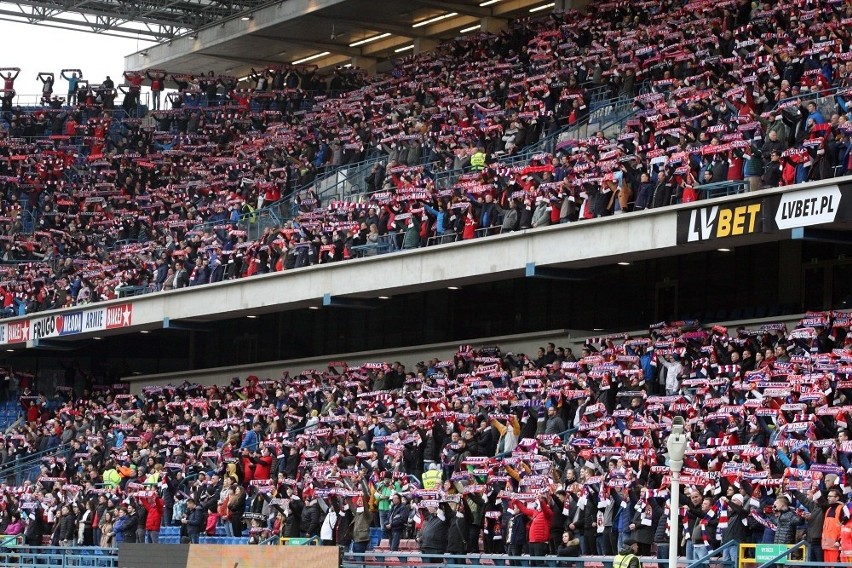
(722, 189)
(703, 561)
(785, 554)
(413, 557)
(354, 175)
(28, 466)
(59, 557)
(621, 110)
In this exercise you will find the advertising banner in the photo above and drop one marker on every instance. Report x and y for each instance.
(802, 208)
(68, 323)
(715, 222)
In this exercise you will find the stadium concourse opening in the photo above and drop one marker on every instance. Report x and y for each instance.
(752, 282)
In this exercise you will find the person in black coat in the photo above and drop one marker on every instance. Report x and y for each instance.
(173, 484)
(130, 526)
(569, 547)
(493, 523)
(63, 534)
(589, 521)
(236, 509)
(293, 526)
(312, 516)
(737, 513)
(643, 526)
(343, 528)
(398, 519)
(195, 521)
(35, 528)
(459, 528)
(434, 532)
(291, 464)
(558, 524)
(516, 533)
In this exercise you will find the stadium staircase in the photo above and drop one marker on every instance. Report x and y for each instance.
(10, 411)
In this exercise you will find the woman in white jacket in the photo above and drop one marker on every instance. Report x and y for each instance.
(674, 370)
(327, 528)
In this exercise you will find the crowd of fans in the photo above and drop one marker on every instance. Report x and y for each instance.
(721, 91)
(488, 451)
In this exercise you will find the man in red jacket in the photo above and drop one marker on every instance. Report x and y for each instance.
(154, 506)
(541, 517)
(262, 464)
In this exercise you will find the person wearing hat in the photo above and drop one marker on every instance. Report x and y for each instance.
(627, 557)
(737, 528)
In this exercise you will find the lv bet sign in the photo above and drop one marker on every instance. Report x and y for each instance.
(802, 208)
(808, 207)
(720, 221)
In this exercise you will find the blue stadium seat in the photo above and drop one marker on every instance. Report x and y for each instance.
(222, 540)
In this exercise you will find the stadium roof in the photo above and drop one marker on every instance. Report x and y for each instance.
(231, 38)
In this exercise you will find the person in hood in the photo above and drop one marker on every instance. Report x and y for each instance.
(627, 557)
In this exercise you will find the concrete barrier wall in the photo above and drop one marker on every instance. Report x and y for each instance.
(217, 556)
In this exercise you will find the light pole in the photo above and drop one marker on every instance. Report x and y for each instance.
(676, 445)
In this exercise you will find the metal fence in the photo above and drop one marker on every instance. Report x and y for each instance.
(403, 558)
(58, 557)
(28, 466)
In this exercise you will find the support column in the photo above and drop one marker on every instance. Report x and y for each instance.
(424, 44)
(565, 5)
(790, 272)
(368, 64)
(492, 25)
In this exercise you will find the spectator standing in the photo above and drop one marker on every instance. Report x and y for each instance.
(541, 517)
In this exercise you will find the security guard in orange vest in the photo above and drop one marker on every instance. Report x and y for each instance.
(627, 557)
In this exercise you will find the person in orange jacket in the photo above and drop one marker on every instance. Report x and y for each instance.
(835, 514)
(846, 539)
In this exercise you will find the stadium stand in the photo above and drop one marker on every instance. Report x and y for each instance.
(490, 446)
(703, 100)
(560, 119)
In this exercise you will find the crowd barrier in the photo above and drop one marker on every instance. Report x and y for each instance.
(58, 557)
(754, 555)
(401, 559)
(13, 554)
(216, 556)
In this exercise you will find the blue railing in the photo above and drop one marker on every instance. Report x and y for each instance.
(28, 466)
(59, 557)
(722, 189)
(703, 561)
(408, 558)
(785, 554)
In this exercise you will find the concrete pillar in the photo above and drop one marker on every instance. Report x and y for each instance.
(492, 25)
(565, 5)
(789, 272)
(424, 44)
(368, 64)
